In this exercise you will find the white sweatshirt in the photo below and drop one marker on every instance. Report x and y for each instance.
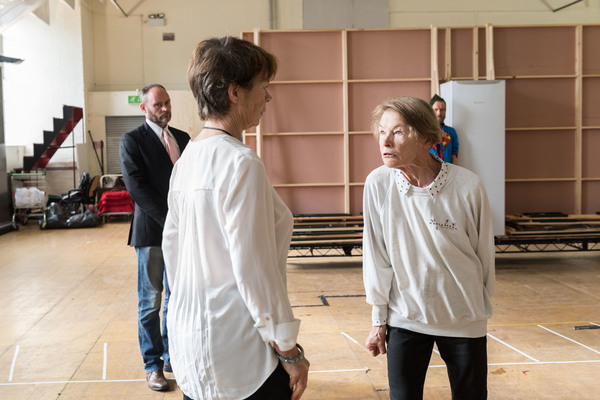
(428, 253)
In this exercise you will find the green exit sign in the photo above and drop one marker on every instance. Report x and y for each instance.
(133, 99)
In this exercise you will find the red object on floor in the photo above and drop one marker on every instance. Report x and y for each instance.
(115, 202)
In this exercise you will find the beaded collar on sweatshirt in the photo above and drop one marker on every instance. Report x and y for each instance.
(434, 187)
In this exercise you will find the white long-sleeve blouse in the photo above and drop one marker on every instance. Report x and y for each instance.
(225, 244)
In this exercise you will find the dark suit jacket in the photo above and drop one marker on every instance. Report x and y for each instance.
(146, 169)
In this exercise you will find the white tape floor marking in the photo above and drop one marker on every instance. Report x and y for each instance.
(574, 341)
(511, 347)
(310, 372)
(12, 366)
(104, 361)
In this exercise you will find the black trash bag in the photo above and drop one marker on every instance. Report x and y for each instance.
(59, 217)
(86, 219)
(56, 216)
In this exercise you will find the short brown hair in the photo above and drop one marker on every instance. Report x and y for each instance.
(417, 114)
(218, 62)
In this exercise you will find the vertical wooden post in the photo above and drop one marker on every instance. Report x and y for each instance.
(489, 52)
(578, 118)
(435, 76)
(346, 123)
(259, 136)
(448, 55)
(476, 53)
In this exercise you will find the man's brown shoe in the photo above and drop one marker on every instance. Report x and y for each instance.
(157, 381)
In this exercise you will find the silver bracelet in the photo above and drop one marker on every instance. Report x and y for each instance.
(290, 360)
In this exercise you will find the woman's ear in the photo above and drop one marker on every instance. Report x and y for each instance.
(234, 93)
(427, 144)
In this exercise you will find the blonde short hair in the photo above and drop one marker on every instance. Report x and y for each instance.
(417, 114)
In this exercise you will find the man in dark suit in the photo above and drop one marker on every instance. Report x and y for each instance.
(147, 155)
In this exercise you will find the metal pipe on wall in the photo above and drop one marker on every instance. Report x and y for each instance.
(273, 14)
(114, 2)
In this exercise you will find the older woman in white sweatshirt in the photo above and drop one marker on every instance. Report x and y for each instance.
(428, 257)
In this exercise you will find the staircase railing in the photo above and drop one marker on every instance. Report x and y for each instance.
(43, 152)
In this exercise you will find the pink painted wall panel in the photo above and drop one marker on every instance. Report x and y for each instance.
(591, 55)
(364, 156)
(523, 197)
(528, 154)
(356, 199)
(590, 161)
(250, 141)
(540, 103)
(307, 107)
(304, 159)
(389, 54)
(591, 101)
(462, 52)
(441, 54)
(313, 200)
(482, 53)
(363, 97)
(308, 55)
(590, 197)
(526, 51)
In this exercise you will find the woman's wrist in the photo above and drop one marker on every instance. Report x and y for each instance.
(291, 356)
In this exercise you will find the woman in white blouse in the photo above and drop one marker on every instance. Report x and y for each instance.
(428, 256)
(232, 332)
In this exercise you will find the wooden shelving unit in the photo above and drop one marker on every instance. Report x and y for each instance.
(315, 138)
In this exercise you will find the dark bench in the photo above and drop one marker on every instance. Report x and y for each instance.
(326, 235)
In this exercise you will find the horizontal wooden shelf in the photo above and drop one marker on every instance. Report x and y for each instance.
(294, 133)
(309, 133)
(299, 185)
(316, 184)
(384, 80)
(287, 82)
(541, 180)
(542, 128)
(350, 80)
(508, 77)
(464, 78)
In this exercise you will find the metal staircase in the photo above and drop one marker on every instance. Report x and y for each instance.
(43, 152)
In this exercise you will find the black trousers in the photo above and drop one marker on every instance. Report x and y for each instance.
(408, 356)
(276, 387)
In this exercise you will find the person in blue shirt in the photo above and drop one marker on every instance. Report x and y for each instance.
(447, 149)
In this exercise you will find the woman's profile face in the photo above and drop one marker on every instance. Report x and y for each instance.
(398, 147)
(254, 102)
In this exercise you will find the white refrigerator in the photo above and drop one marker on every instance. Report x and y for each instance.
(476, 109)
